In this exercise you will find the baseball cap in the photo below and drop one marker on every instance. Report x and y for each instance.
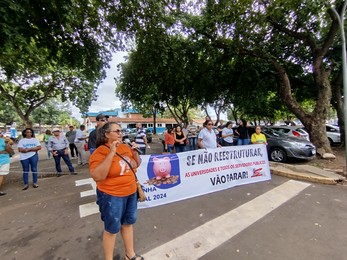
(56, 129)
(101, 116)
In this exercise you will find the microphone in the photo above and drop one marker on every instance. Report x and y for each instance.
(135, 148)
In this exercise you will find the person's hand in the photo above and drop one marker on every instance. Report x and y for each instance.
(55, 153)
(114, 145)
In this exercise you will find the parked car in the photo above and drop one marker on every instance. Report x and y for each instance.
(294, 131)
(131, 134)
(333, 133)
(281, 147)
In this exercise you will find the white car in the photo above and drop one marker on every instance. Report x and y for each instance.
(333, 133)
(293, 131)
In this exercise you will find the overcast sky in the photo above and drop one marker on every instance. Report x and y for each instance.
(106, 91)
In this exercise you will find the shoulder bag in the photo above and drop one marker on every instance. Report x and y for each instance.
(141, 196)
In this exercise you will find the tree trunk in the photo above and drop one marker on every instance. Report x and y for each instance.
(315, 120)
(337, 103)
(154, 121)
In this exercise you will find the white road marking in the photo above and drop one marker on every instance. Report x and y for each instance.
(89, 208)
(198, 242)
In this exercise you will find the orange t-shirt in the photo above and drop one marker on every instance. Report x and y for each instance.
(120, 180)
(169, 139)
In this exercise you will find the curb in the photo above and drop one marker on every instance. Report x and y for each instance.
(308, 177)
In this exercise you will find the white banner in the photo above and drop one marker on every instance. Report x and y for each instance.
(173, 177)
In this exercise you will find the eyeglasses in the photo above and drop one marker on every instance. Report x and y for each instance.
(209, 124)
(118, 131)
(102, 120)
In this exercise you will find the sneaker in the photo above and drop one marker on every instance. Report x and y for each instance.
(58, 174)
(73, 158)
(2, 193)
(73, 173)
(35, 185)
(25, 187)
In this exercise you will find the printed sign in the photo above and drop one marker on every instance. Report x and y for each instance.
(173, 177)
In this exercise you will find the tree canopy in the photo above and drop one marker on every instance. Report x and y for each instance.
(286, 45)
(57, 48)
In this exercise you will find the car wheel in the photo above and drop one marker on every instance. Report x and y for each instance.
(331, 141)
(278, 155)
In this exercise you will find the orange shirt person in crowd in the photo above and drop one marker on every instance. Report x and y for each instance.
(169, 140)
(116, 188)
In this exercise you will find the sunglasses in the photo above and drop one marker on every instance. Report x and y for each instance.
(209, 124)
(103, 120)
(118, 131)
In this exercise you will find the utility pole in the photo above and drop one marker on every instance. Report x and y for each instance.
(341, 19)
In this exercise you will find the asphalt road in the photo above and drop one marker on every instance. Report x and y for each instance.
(276, 219)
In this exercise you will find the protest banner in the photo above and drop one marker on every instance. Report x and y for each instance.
(168, 178)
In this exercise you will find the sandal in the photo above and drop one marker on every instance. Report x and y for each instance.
(135, 257)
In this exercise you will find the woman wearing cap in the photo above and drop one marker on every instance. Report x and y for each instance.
(113, 166)
(58, 145)
(28, 147)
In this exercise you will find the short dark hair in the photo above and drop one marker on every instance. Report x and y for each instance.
(28, 128)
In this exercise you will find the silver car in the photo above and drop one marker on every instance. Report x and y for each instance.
(281, 147)
(293, 131)
(333, 133)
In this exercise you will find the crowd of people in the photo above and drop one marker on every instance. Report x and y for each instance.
(113, 163)
(191, 137)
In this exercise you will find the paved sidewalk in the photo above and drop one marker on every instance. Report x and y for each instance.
(306, 173)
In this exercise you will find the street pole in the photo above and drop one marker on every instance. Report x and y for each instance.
(341, 19)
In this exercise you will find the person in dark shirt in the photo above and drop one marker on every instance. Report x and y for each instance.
(242, 132)
(101, 119)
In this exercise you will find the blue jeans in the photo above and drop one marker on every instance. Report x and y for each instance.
(26, 164)
(170, 148)
(61, 154)
(192, 142)
(116, 211)
(91, 150)
(180, 149)
(241, 141)
(143, 149)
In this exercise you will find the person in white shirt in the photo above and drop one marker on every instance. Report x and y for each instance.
(192, 135)
(80, 140)
(58, 145)
(207, 137)
(27, 148)
(227, 135)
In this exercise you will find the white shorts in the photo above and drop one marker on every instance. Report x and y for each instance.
(4, 169)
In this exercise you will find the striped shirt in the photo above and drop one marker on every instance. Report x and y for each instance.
(140, 138)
